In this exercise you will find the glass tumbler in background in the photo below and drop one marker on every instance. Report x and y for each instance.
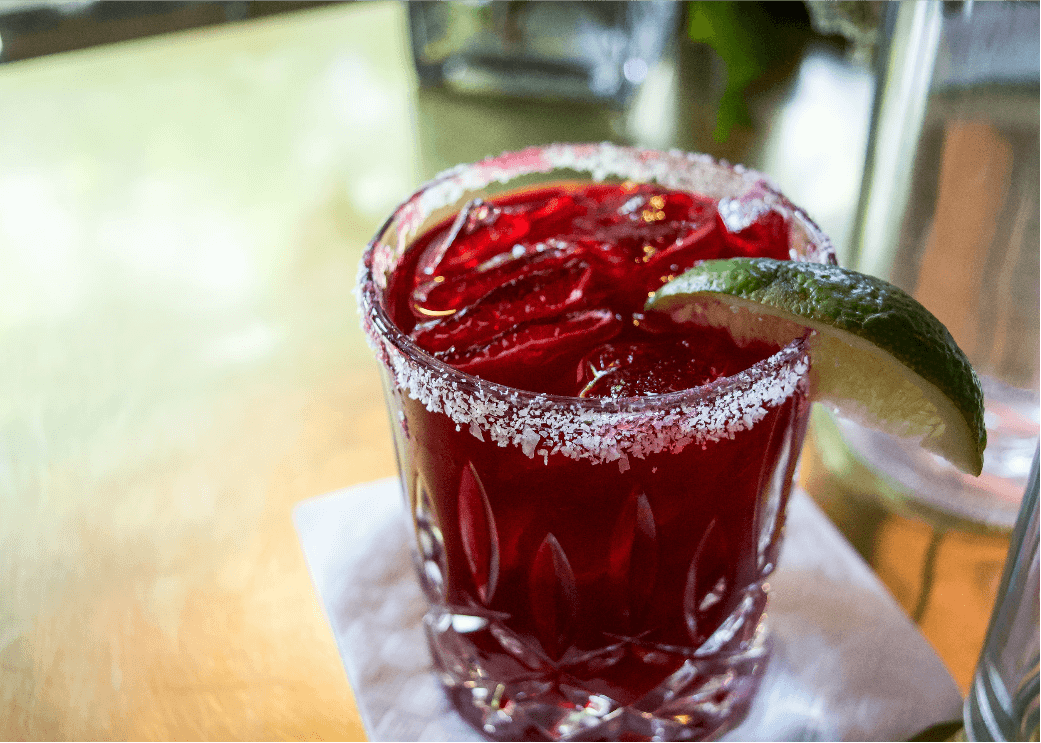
(594, 567)
(1003, 702)
(949, 212)
(598, 51)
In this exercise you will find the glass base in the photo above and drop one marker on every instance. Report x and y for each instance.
(504, 686)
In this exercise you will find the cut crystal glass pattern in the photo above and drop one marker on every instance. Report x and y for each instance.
(480, 539)
(531, 698)
(633, 561)
(553, 594)
(513, 682)
(430, 543)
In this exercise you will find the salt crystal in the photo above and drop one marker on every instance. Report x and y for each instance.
(529, 440)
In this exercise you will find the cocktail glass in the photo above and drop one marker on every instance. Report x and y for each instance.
(595, 568)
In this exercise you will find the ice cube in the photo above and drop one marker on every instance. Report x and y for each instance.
(443, 295)
(665, 363)
(751, 228)
(641, 368)
(510, 357)
(476, 235)
(540, 294)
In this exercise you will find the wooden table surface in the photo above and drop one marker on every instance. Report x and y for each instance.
(181, 220)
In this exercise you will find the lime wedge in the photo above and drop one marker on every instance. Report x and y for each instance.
(877, 355)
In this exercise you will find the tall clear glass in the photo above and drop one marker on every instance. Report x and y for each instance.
(949, 212)
(1003, 702)
(594, 567)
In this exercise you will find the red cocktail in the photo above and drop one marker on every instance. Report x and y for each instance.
(597, 493)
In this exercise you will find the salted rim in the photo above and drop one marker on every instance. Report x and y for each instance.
(597, 429)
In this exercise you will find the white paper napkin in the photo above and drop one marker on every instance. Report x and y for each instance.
(848, 664)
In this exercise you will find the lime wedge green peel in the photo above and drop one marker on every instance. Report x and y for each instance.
(877, 355)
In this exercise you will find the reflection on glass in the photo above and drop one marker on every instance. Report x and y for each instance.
(1003, 700)
(949, 212)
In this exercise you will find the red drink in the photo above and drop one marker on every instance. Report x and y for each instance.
(594, 547)
(544, 291)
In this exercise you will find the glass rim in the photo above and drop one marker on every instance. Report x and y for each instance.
(785, 356)
(420, 373)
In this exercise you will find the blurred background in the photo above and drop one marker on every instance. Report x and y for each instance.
(730, 80)
(185, 192)
(36, 28)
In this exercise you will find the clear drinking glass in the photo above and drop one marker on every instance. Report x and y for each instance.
(1003, 702)
(598, 51)
(594, 567)
(949, 213)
